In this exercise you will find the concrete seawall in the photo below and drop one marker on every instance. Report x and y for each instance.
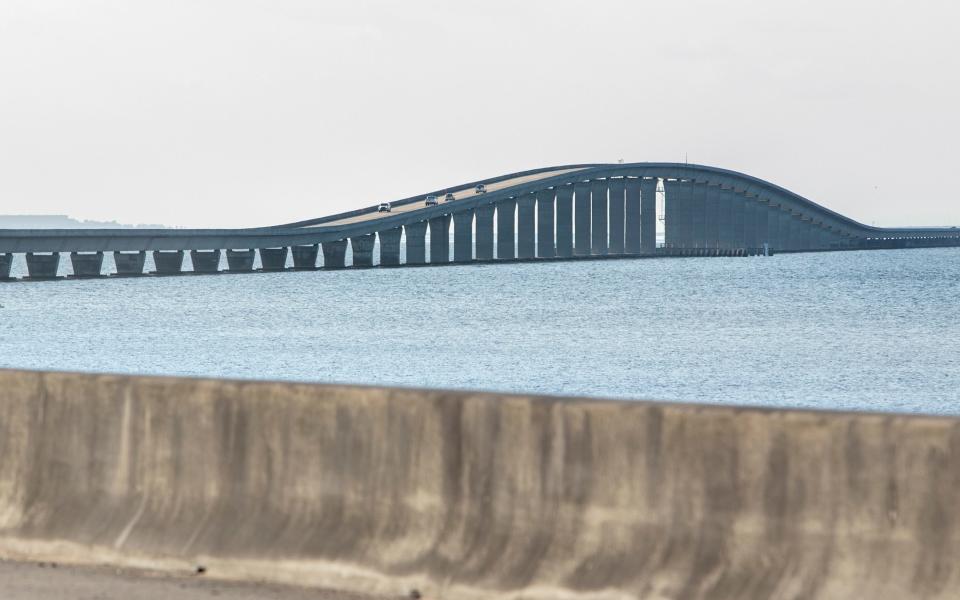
(463, 495)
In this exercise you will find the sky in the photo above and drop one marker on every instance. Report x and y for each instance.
(243, 113)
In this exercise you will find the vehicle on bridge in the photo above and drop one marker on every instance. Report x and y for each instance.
(480, 189)
(383, 207)
(449, 198)
(430, 201)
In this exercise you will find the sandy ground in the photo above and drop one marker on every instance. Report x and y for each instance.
(44, 581)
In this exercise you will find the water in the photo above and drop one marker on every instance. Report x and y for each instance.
(876, 330)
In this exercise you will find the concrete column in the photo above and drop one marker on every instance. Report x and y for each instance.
(581, 216)
(633, 215)
(773, 226)
(416, 245)
(804, 242)
(617, 218)
(42, 266)
(738, 208)
(681, 230)
(273, 259)
(506, 233)
(390, 246)
(334, 254)
(724, 202)
(526, 229)
(786, 230)
(440, 239)
(598, 215)
(698, 210)
(565, 221)
(305, 256)
(711, 216)
(6, 263)
(648, 216)
(129, 264)
(205, 261)
(546, 246)
(671, 201)
(86, 265)
(362, 246)
(763, 235)
(240, 261)
(750, 223)
(484, 231)
(463, 236)
(168, 263)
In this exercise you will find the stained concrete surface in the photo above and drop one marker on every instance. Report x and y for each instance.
(469, 496)
(52, 581)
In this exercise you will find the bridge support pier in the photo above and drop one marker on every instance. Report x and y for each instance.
(564, 210)
(698, 217)
(390, 246)
(724, 203)
(773, 227)
(205, 261)
(168, 262)
(711, 218)
(581, 229)
(334, 254)
(648, 215)
(633, 216)
(506, 232)
(440, 239)
(6, 263)
(42, 266)
(240, 261)
(806, 233)
(526, 226)
(463, 236)
(738, 208)
(598, 216)
(273, 259)
(679, 232)
(129, 264)
(616, 219)
(485, 215)
(362, 246)
(305, 256)
(763, 235)
(86, 265)
(416, 245)
(750, 209)
(546, 246)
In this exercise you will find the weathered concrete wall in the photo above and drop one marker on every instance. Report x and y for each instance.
(466, 495)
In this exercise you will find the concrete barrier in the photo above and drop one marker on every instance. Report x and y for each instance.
(464, 495)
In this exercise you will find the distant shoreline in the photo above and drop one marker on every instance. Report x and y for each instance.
(65, 222)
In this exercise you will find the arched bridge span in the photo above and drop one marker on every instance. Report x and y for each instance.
(556, 212)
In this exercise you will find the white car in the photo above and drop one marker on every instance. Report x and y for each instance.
(449, 198)
(480, 189)
(430, 201)
(383, 207)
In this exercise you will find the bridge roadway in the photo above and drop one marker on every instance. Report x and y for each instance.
(556, 212)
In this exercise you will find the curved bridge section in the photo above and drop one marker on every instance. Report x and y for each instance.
(557, 212)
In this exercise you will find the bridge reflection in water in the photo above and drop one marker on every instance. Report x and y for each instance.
(567, 212)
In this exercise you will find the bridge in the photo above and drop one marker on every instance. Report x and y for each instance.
(554, 213)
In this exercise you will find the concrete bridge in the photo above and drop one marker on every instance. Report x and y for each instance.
(552, 213)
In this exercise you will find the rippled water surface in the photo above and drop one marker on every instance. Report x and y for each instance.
(875, 330)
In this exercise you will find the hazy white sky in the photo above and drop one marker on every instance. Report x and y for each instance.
(254, 112)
